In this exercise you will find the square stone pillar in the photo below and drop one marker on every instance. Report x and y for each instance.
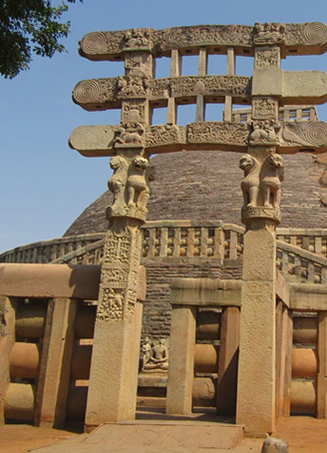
(115, 357)
(257, 360)
(181, 360)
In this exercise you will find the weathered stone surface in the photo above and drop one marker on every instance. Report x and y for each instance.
(272, 445)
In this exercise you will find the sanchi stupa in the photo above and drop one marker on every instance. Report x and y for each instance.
(243, 308)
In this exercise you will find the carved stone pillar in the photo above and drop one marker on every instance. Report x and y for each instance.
(115, 357)
(261, 186)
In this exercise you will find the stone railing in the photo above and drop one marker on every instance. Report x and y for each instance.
(192, 240)
(49, 251)
(302, 264)
(300, 253)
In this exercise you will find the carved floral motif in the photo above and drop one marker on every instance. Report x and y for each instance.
(267, 57)
(264, 108)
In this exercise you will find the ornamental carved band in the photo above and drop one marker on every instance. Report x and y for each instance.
(119, 276)
(288, 137)
(102, 94)
(112, 45)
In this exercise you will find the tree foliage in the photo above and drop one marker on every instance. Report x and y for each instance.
(26, 27)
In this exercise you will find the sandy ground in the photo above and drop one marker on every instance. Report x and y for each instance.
(304, 435)
(23, 438)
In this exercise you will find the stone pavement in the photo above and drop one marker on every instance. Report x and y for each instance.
(148, 436)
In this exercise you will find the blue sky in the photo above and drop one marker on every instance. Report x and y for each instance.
(44, 185)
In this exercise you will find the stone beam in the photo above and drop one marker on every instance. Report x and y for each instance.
(293, 87)
(308, 297)
(294, 39)
(288, 137)
(103, 94)
(206, 292)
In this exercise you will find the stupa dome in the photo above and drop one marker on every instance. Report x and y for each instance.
(206, 186)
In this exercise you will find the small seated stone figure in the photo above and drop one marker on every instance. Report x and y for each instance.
(159, 357)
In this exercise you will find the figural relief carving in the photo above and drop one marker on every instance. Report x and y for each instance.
(129, 184)
(268, 33)
(261, 185)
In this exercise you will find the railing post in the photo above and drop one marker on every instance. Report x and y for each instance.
(181, 360)
(7, 340)
(321, 411)
(53, 383)
(228, 361)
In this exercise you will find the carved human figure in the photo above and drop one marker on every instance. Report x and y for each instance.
(263, 132)
(146, 351)
(117, 182)
(158, 358)
(251, 182)
(272, 176)
(137, 187)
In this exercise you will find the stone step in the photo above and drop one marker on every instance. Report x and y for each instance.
(160, 437)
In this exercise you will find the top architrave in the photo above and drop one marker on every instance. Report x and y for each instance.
(294, 39)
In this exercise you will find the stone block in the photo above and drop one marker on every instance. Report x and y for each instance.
(273, 445)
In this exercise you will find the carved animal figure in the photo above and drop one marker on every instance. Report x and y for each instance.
(251, 181)
(130, 135)
(137, 188)
(118, 181)
(272, 175)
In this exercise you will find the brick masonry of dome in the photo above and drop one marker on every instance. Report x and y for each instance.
(206, 186)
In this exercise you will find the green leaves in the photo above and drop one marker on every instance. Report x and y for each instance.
(26, 27)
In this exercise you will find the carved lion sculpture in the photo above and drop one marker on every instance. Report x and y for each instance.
(118, 180)
(137, 187)
(251, 181)
(273, 174)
